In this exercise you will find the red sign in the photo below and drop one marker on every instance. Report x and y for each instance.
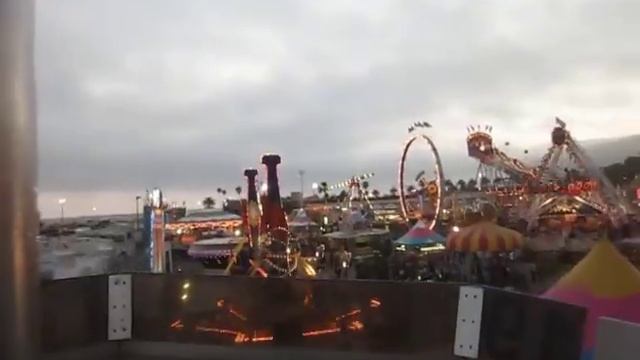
(638, 193)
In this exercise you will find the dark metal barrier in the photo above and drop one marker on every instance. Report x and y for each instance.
(74, 312)
(361, 316)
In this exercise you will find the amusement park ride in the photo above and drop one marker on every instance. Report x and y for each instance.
(425, 189)
(536, 187)
(269, 248)
(355, 190)
(268, 245)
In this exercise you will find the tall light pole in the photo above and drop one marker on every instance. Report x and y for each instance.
(301, 173)
(61, 202)
(138, 197)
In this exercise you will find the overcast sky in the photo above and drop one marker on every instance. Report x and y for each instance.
(185, 94)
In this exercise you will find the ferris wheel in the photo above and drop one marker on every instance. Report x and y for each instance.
(281, 252)
(426, 186)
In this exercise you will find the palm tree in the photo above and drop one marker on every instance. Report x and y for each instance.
(449, 186)
(343, 195)
(238, 190)
(485, 182)
(393, 191)
(365, 188)
(375, 193)
(472, 185)
(462, 185)
(324, 190)
(208, 202)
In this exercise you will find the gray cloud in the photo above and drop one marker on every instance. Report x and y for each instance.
(185, 95)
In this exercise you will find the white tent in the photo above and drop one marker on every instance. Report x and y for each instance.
(300, 219)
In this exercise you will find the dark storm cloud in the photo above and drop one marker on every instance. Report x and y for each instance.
(186, 94)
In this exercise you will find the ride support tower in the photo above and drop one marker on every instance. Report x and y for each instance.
(273, 216)
(252, 209)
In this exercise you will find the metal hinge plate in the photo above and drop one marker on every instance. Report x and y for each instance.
(119, 327)
(468, 323)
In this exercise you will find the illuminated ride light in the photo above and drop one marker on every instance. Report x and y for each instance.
(350, 313)
(262, 339)
(237, 314)
(308, 269)
(355, 326)
(321, 332)
(177, 324)
(375, 303)
(217, 330)
(262, 272)
(238, 336)
(434, 248)
(256, 268)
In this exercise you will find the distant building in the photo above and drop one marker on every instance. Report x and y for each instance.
(198, 222)
(175, 213)
(233, 206)
(295, 197)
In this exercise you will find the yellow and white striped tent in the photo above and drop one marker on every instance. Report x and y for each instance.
(484, 236)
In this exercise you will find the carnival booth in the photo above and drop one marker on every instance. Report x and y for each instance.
(484, 236)
(606, 284)
(215, 251)
(356, 243)
(356, 236)
(483, 253)
(301, 226)
(421, 240)
(418, 254)
(200, 224)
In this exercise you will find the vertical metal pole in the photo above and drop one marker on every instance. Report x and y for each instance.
(301, 172)
(137, 213)
(19, 288)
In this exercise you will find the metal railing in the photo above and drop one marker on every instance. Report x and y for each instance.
(338, 317)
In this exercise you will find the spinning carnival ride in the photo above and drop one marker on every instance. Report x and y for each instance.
(601, 195)
(539, 186)
(423, 188)
(268, 246)
(355, 190)
(494, 163)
